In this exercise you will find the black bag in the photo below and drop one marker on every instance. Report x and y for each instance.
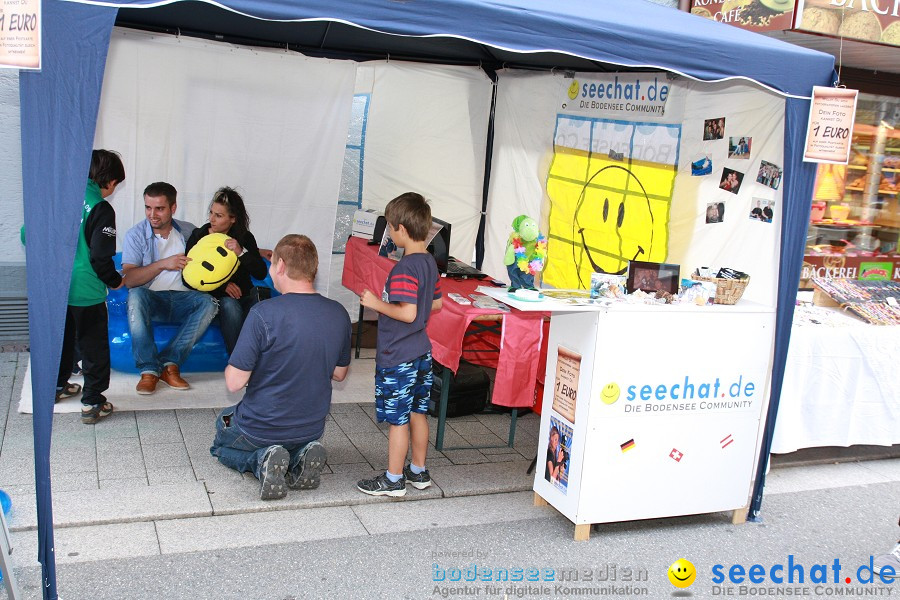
(470, 390)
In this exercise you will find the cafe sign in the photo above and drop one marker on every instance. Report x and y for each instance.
(755, 15)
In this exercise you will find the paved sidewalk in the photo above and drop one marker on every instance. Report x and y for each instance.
(155, 465)
(140, 490)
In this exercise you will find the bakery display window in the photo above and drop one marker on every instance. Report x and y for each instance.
(855, 218)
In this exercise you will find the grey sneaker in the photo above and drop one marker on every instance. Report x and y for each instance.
(271, 473)
(382, 486)
(419, 481)
(891, 559)
(306, 475)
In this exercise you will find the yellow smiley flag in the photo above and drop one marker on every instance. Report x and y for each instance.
(610, 187)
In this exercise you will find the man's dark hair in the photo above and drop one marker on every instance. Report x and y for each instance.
(161, 188)
(106, 168)
(301, 259)
(412, 211)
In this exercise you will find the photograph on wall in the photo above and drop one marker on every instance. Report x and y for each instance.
(702, 165)
(559, 449)
(565, 389)
(715, 212)
(714, 129)
(769, 174)
(763, 210)
(739, 147)
(731, 180)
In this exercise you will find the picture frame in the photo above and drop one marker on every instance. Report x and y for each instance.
(652, 277)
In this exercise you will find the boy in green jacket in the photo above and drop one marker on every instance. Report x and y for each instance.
(92, 273)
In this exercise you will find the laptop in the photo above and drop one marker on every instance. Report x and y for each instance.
(439, 248)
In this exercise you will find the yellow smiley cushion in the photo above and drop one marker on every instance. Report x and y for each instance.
(211, 265)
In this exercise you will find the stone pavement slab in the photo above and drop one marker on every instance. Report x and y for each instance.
(118, 505)
(337, 489)
(448, 512)
(255, 529)
(91, 543)
(814, 477)
(490, 478)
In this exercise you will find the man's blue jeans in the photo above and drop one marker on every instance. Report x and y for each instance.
(194, 310)
(242, 452)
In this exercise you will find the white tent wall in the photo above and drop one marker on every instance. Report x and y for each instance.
(523, 134)
(740, 242)
(427, 133)
(202, 115)
(11, 212)
(525, 121)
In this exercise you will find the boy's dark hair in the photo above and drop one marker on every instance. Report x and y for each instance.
(412, 211)
(233, 202)
(161, 188)
(106, 167)
(301, 259)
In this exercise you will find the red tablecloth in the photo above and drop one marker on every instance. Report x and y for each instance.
(519, 362)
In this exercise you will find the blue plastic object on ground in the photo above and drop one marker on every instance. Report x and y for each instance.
(6, 502)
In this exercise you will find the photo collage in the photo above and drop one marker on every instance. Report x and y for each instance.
(736, 148)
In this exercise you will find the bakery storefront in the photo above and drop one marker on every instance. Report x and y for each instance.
(841, 382)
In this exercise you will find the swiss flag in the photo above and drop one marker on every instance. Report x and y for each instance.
(675, 455)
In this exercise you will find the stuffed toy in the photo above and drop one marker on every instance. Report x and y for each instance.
(525, 253)
(212, 264)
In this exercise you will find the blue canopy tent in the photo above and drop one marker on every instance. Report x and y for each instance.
(59, 108)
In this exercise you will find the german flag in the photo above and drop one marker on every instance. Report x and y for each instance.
(627, 445)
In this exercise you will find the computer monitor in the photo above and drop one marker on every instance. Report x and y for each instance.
(439, 247)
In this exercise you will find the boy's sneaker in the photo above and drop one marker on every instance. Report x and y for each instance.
(891, 559)
(271, 473)
(419, 481)
(307, 474)
(382, 486)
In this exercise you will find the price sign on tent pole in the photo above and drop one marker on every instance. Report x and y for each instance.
(831, 116)
(20, 34)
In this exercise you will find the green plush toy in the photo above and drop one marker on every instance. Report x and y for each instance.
(525, 252)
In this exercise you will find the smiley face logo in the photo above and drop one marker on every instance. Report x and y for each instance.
(613, 227)
(610, 392)
(682, 573)
(573, 89)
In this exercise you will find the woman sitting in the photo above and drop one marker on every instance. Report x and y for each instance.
(228, 215)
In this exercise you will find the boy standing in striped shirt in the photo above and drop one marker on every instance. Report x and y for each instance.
(403, 360)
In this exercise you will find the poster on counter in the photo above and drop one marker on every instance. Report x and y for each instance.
(20, 34)
(559, 451)
(565, 390)
(830, 129)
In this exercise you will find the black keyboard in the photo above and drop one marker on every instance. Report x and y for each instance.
(458, 269)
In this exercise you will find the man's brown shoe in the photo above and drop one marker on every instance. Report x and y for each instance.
(172, 377)
(147, 384)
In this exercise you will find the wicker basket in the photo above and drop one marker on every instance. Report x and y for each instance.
(728, 291)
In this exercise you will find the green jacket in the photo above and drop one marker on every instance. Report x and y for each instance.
(94, 270)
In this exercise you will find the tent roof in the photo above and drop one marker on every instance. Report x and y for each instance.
(575, 34)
